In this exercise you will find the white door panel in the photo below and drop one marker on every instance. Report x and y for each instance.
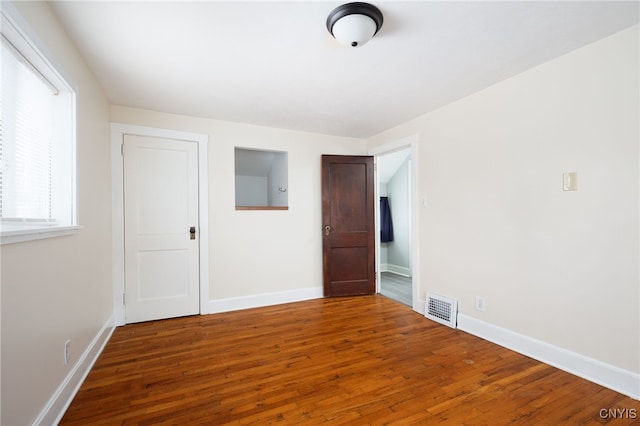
(161, 205)
(161, 274)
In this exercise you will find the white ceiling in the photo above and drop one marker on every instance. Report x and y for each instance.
(388, 164)
(275, 64)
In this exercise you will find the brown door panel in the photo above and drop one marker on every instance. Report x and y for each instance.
(344, 239)
(348, 288)
(348, 225)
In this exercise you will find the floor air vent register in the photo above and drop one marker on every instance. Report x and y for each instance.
(441, 309)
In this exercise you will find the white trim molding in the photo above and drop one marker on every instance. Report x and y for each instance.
(117, 213)
(615, 378)
(260, 300)
(18, 236)
(410, 142)
(398, 270)
(57, 405)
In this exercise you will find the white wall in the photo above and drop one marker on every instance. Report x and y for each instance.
(278, 175)
(560, 267)
(59, 288)
(284, 248)
(384, 247)
(251, 191)
(399, 250)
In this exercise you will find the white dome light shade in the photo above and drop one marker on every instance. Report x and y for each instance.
(354, 24)
(354, 30)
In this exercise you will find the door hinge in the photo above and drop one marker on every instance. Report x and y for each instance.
(122, 149)
(124, 298)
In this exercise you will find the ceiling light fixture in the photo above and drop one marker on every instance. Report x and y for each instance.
(354, 24)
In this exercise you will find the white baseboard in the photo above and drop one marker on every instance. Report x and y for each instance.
(398, 270)
(615, 378)
(259, 300)
(419, 306)
(55, 408)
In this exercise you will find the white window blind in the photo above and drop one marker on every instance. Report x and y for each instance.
(37, 138)
(25, 142)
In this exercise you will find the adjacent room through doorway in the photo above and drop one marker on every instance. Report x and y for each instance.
(394, 190)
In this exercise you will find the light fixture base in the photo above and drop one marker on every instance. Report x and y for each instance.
(354, 24)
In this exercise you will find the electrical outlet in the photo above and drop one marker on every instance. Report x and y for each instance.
(67, 349)
(480, 303)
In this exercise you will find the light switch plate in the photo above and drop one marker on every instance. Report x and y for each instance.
(570, 181)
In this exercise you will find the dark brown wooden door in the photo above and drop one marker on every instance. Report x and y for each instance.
(348, 225)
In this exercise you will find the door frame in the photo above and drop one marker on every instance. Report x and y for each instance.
(118, 131)
(410, 142)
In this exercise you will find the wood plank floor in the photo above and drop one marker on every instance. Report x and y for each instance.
(361, 360)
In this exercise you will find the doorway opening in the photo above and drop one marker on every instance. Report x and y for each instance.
(394, 183)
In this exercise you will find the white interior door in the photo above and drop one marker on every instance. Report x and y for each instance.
(160, 209)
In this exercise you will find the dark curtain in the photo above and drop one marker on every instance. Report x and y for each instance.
(386, 225)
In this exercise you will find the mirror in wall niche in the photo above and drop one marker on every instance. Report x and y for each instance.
(262, 181)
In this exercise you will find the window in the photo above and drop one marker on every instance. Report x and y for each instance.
(261, 180)
(37, 141)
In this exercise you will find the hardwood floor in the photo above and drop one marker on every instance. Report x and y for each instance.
(358, 360)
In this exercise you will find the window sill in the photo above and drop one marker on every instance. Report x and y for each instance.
(10, 235)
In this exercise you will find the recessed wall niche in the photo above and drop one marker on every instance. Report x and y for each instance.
(262, 181)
